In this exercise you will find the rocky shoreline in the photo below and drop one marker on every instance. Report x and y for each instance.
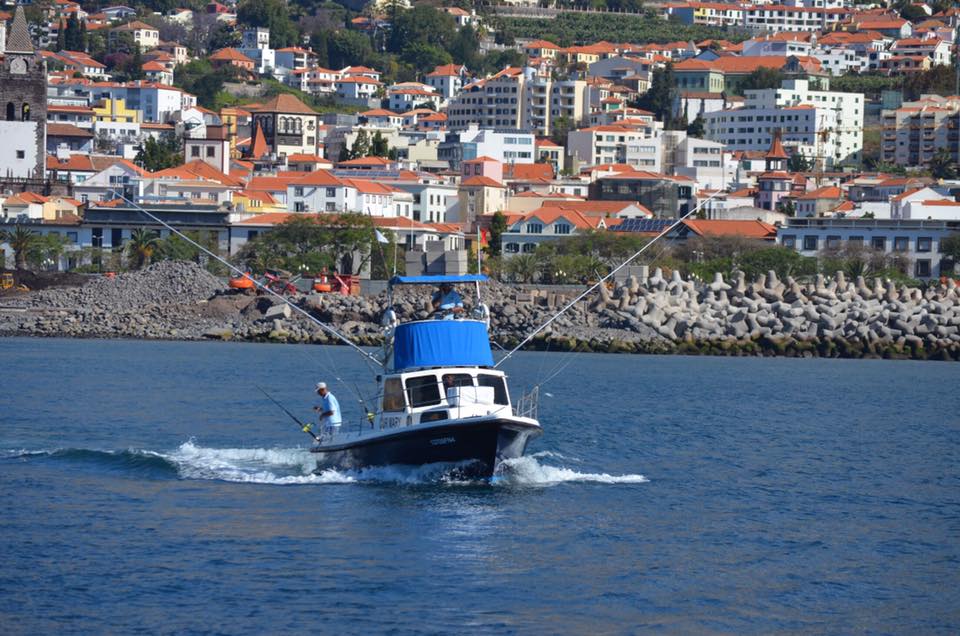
(655, 315)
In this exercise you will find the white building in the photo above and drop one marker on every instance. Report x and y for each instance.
(916, 241)
(321, 191)
(768, 17)
(823, 125)
(635, 145)
(256, 46)
(506, 146)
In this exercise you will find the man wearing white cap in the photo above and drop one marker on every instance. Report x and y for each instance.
(329, 410)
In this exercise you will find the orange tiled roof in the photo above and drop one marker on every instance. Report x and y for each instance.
(749, 229)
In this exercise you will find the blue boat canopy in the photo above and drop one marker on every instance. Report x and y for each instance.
(441, 343)
(436, 280)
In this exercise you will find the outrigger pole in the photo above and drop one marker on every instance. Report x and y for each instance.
(603, 280)
(303, 427)
(260, 285)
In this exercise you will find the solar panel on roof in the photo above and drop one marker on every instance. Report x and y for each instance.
(643, 225)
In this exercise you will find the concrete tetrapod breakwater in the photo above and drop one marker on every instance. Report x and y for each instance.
(651, 314)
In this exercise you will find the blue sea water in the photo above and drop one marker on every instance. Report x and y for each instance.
(148, 487)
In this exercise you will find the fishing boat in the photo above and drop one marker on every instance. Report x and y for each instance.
(440, 400)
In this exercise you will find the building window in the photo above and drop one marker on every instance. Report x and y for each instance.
(924, 244)
(21, 154)
(855, 241)
(211, 151)
(833, 242)
(512, 248)
(922, 268)
(879, 243)
(194, 151)
(298, 191)
(789, 240)
(809, 243)
(331, 192)
(529, 248)
(561, 228)
(534, 228)
(901, 244)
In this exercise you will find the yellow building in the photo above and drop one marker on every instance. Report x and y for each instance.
(232, 118)
(115, 111)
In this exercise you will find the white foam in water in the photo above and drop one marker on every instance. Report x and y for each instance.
(528, 471)
(296, 465)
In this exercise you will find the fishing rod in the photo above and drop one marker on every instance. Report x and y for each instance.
(259, 285)
(306, 428)
(616, 269)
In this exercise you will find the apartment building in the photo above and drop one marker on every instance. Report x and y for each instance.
(823, 125)
(636, 145)
(505, 145)
(913, 133)
(517, 98)
(766, 17)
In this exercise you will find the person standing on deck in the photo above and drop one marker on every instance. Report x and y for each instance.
(329, 410)
(446, 301)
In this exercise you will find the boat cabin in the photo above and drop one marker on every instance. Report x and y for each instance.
(448, 393)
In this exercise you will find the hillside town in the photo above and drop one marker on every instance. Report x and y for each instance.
(826, 128)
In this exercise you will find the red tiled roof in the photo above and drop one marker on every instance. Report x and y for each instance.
(749, 229)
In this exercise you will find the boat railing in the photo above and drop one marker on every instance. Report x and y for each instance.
(528, 403)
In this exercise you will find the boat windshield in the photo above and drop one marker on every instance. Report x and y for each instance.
(423, 390)
(499, 387)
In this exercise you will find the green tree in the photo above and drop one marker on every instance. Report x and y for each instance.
(73, 36)
(465, 47)
(379, 146)
(361, 145)
(135, 69)
(799, 163)
(340, 242)
(319, 43)
(696, 128)
(659, 99)
(46, 250)
(154, 155)
(950, 247)
(424, 57)
(913, 13)
(498, 226)
(422, 24)
(21, 241)
(783, 260)
(346, 48)
(762, 78)
(522, 268)
(140, 247)
(560, 128)
(942, 165)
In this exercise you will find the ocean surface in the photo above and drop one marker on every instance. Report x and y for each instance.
(149, 487)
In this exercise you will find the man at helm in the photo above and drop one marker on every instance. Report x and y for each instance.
(446, 301)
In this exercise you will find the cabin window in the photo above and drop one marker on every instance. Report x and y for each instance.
(393, 395)
(453, 380)
(423, 391)
(499, 387)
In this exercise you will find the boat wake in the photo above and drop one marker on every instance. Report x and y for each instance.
(289, 466)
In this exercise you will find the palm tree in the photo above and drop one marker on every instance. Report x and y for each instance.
(21, 240)
(523, 267)
(141, 246)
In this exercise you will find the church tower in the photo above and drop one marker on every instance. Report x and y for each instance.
(23, 105)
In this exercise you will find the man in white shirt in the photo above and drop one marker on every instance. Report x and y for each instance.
(329, 410)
